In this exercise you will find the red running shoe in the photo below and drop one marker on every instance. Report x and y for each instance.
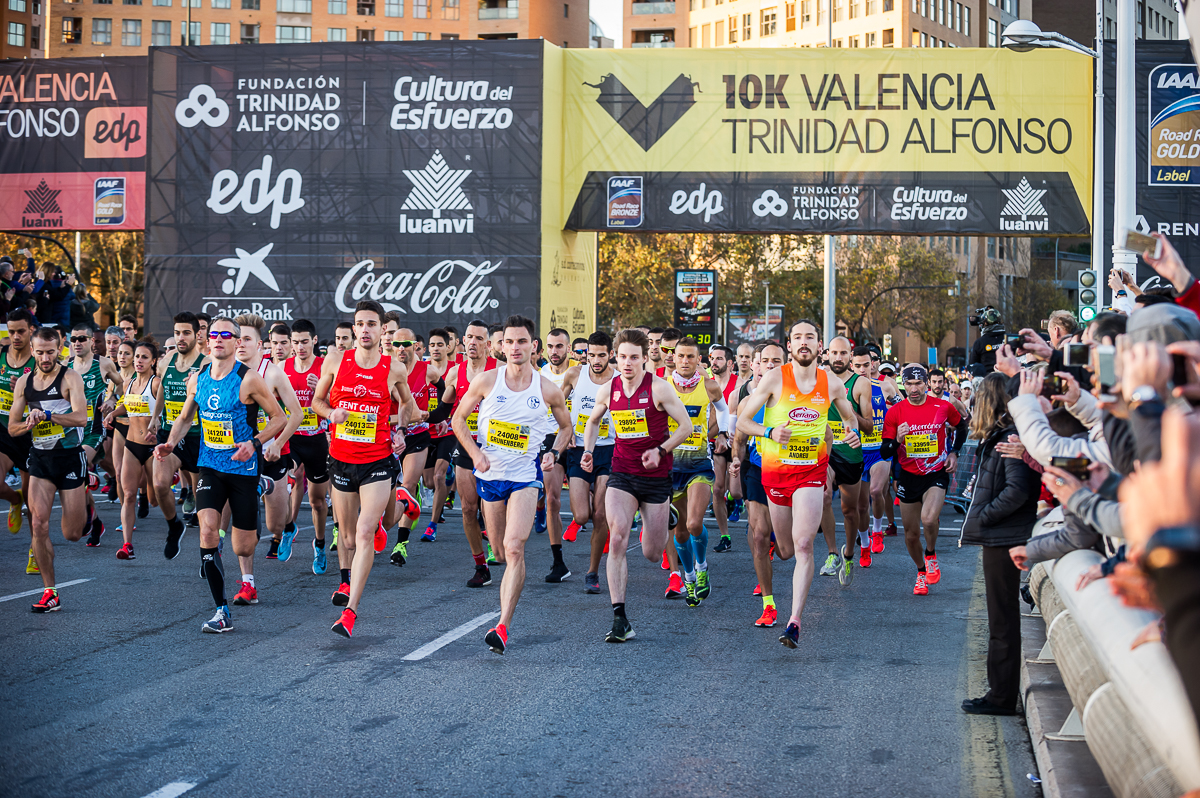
(864, 556)
(674, 587)
(758, 590)
(921, 589)
(345, 624)
(412, 509)
(890, 531)
(126, 552)
(48, 602)
(246, 596)
(380, 538)
(933, 573)
(769, 617)
(877, 542)
(572, 531)
(497, 639)
(605, 546)
(341, 596)
(771, 551)
(666, 564)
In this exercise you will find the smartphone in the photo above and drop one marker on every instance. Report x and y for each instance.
(1053, 386)
(1075, 466)
(1077, 355)
(1134, 241)
(1179, 370)
(1106, 367)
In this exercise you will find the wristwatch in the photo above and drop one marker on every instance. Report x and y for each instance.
(661, 450)
(1142, 394)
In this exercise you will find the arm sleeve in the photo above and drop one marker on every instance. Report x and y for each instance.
(443, 410)
(722, 415)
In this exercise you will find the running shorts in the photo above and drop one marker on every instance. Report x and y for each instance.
(65, 468)
(441, 449)
(601, 463)
(682, 480)
(349, 477)
(187, 450)
(216, 488)
(845, 472)
(911, 488)
(415, 442)
(462, 459)
(500, 489)
(16, 449)
(142, 451)
(274, 470)
(752, 487)
(312, 452)
(870, 458)
(647, 490)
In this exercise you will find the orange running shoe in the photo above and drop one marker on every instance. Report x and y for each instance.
(877, 542)
(345, 624)
(769, 617)
(666, 564)
(572, 531)
(246, 596)
(411, 508)
(380, 538)
(933, 573)
(864, 556)
(497, 639)
(920, 589)
(126, 552)
(675, 587)
(758, 590)
(341, 596)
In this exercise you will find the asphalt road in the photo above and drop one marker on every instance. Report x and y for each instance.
(119, 694)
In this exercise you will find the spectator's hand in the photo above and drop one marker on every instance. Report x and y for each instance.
(1006, 362)
(1019, 558)
(1087, 577)
(1151, 633)
(1061, 485)
(71, 281)
(1191, 351)
(1131, 584)
(9, 294)
(1072, 394)
(1031, 383)
(1146, 363)
(1170, 266)
(1013, 449)
(1166, 493)
(1114, 279)
(1035, 345)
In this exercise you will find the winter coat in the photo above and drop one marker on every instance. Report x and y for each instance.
(1004, 502)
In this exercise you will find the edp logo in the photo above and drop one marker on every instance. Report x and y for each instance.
(256, 192)
(699, 201)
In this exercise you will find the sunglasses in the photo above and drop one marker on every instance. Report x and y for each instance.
(581, 352)
(79, 339)
(405, 344)
(223, 335)
(668, 349)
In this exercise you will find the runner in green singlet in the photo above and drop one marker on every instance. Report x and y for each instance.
(845, 465)
(16, 360)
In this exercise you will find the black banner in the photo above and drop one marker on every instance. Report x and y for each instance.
(914, 203)
(294, 180)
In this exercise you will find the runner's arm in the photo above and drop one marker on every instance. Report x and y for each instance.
(591, 430)
(442, 411)
(846, 410)
(407, 406)
(279, 383)
(889, 446)
(255, 391)
(558, 406)
(756, 401)
(862, 405)
(667, 400)
(73, 386)
(183, 423)
(451, 380)
(320, 401)
(479, 388)
(16, 424)
(718, 402)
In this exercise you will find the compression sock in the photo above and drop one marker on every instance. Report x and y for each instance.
(684, 550)
(700, 548)
(768, 601)
(619, 609)
(345, 575)
(402, 533)
(480, 558)
(210, 563)
(556, 550)
(929, 553)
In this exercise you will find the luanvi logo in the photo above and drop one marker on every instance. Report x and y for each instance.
(437, 188)
(1025, 202)
(43, 209)
(645, 124)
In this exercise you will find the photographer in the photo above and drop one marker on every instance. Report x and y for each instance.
(991, 337)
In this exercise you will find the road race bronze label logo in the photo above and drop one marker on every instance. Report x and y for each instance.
(645, 124)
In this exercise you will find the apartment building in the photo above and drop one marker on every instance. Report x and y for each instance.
(24, 25)
(130, 27)
(1156, 19)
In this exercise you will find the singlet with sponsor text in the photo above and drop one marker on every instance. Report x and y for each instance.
(8, 378)
(312, 424)
(583, 402)
(93, 389)
(419, 387)
(872, 439)
(365, 436)
(844, 450)
(174, 387)
(225, 421)
(49, 435)
(692, 455)
(807, 414)
(461, 383)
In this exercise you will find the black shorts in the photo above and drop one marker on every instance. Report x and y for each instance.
(16, 449)
(752, 487)
(187, 450)
(601, 463)
(441, 449)
(312, 452)
(911, 488)
(462, 459)
(845, 472)
(349, 477)
(66, 468)
(647, 490)
(141, 451)
(276, 470)
(216, 488)
(416, 442)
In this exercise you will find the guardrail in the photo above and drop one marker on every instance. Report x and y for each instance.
(957, 495)
(1130, 705)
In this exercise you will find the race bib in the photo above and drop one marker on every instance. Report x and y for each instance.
(47, 432)
(358, 428)
(433, 403)
(581, 421)
(6, 399)
(873, 438)
(630, 424)
(310, 422)
(839, 430)
(217, 434)
(473, 423)
(91, 413)
(802, 450)
(695, 442)
(506, 435)
(136, 405)
(921, 447)
(172, 410)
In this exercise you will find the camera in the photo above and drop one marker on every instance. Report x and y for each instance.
(984, 317)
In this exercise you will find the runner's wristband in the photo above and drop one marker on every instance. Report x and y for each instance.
(257, 444)
(767, 433)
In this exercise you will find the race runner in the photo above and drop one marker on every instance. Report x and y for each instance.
(876, 470)
(442, 442)
(95, 371)
(309, 445)
(138, 401)
(548, 516)
(722, 368)
(845, 467)
(423, 379)
(16, 360)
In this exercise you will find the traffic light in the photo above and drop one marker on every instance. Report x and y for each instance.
(1089, 295)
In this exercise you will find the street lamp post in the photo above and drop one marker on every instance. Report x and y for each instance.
(767, 307)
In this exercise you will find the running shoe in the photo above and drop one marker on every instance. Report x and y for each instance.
(333, 543)
(320, 559)
(380, 538)
(220, 540)
(48, 602)
(846, 571)
(408, 503)
(791, 635)
(273, 551)
(666, 564)
(31, 567)
(621, 631)
(591, 583)
(877, 542)
(757, 590)
(732, 510)
(450, 502)
(189, 502)
(191, 521)
(482, 577)
(497, 639)
(691, 599)
(674, 517)
(246, 596)
(97, 532)
(341, 596)
(703, 587)
(15, 518)
(345, 624)
(832, 563)
(864, 556)
(175, 530)
(266, 486)
(724, 544)
(674, 587)
(933, 572)
(285, 545)
(769, 617)
(890, 531)
(430, 533)
(143, 506)
(126, 552)
(558, 573)
(921, 588)
(221, 622)
(400, 553)
(539, 521)
(491, 554)
(572, 531)
(771, 551)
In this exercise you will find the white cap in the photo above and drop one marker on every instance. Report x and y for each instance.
(889, 366)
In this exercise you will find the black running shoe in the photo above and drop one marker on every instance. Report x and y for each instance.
(175, 530)
(674, 517)
(143, 506)
(273, 552)
(723, 545)
(621, 631)
(496, 639)
(191, 521)
(96, 533)
(482, 577)
(791, 635)
(558, 573)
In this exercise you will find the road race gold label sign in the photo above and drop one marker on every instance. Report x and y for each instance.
(816, 140)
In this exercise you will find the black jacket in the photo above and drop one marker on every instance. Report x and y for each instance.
(1004, 504)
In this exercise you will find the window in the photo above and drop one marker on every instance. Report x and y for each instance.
(733, 30)
(218, 33)
(335, 34)
(991, 247)
(249, 33)
(966, 28)
(221, 4)
(160, 33)
(72, 30)
(888, 5)
(566, 11)
(366, 35)
(393, 8)
(190, 35)
(854, 41)
(747, 23)
(916, 38)
(337, 6)
(888, 37)
(806, 12)
(101, 31)
(16, 5)
(705, 31)
(871, 7)
(450, 9)
(837, 42)
(393, 36)
(872, 40)
(102, 2)
(420, 9)
(292, 34)
(789, 17)
(131, 32)
(853, 9)
(941, 12)
(718, 33)
(916, 6)
(294, 6)
(366, 8)
(420, 37)
(35, 36)
(993, 30)
(692, 40)
(16, 34)
(839, 12)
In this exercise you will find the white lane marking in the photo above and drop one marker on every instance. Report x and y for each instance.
(427, 649)
(172, 790)
(40, 589)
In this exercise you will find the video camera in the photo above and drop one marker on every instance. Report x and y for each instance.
(984, 317)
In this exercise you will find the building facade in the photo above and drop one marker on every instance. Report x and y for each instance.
(24, 26)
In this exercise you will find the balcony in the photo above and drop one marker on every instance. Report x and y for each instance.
(653, 8)
(654, 38)
(653, 44)
(499, 9)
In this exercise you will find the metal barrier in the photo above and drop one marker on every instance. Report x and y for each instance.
(958, 495)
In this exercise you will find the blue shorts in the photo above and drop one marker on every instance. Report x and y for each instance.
(870, 458)
(500, 489)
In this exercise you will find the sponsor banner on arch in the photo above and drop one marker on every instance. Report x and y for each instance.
(73, 143)
(293, 181)
(980, 141)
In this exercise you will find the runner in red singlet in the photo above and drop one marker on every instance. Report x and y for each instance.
(422, 377)
(310, 446)
(442, 442)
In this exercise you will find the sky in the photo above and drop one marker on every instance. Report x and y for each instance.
(607, 14)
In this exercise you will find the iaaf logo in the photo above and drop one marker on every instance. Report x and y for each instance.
(1024, 201)
(423, 292)
(805, 414)
(437, 188)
